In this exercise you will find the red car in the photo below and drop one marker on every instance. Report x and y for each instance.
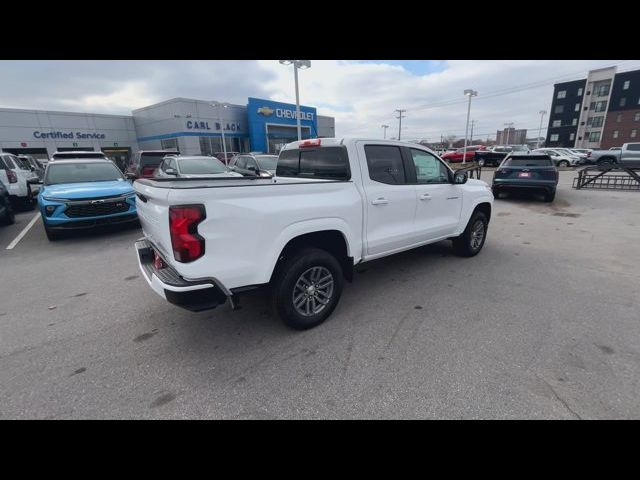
(455, 157)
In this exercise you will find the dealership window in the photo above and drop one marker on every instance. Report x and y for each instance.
(577, 109)
(554, 137)
(623, 101)
(559, 109)
(634, 132)
(571, 137)
(169, 143)
(594, 136)
(557, 123)
(562, 94)
(615, 134)
(574, 122)
(579, 91)
(626, 85)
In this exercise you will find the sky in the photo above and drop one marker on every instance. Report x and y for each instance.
(361, 94)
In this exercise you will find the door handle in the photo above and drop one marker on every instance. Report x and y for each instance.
(380, 201)
(425, 196)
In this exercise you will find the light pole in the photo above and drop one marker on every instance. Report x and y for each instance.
(509, 127)
(297, 64)
(384, 130)
(224, 143)
(469, 93)
(542, 113)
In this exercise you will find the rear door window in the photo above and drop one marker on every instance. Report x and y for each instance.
(385, 164)
(634, 147)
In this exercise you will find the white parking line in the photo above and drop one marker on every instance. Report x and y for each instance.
(23, 232)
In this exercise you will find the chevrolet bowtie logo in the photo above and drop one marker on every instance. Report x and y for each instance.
(266, 111)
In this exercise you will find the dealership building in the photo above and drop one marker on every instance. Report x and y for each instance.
(194, 127)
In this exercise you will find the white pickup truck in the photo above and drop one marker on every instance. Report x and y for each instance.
(332, 204)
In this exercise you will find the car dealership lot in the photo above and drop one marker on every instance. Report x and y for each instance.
(543, 323)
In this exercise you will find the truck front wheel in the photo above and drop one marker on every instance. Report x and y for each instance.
(307, 288)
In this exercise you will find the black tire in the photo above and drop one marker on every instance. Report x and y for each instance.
(549, 196)
(466, 244)
(51, 235)
(287, 276)
(563, 163)
(496, 193)
(481, 162)
(9, 216)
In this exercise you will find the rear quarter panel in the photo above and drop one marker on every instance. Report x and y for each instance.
(248, 226)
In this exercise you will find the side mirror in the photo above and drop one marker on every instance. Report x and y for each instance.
(460, 178)
(171, 171)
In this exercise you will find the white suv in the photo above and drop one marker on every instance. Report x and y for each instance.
(15, 176)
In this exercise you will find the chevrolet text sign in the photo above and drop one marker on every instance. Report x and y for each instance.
(285, 113)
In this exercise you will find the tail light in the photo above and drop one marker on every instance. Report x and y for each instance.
(148, 171)
(315, 142)
(11, 175)
(187, 244)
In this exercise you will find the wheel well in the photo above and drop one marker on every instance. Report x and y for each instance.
(484, 208)
(332, 241)
(611, 159)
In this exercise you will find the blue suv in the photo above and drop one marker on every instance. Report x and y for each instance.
(84, 193)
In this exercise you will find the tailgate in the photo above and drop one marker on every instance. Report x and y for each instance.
(153, 211)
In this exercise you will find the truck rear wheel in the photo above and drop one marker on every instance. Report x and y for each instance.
(472, 239)
(307, 288)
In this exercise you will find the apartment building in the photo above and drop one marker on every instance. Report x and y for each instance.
(600, 111)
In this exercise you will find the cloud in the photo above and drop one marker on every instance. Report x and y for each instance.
(360, 95)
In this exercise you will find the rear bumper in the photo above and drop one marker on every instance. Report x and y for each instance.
(546, 186)
(193, 295)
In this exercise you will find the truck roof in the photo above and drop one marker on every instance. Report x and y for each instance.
(333, 141)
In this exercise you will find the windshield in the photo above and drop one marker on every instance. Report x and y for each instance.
(267, 162)
(528, 162)
(81, 172)
(205, 165)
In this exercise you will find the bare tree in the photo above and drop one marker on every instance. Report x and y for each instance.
(450, 139)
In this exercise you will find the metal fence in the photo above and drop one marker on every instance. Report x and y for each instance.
(608, 177)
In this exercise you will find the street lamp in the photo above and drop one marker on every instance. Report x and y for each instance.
(542, 113)
(384, 129)
(469, 93)
(224, 143)
(297, 64)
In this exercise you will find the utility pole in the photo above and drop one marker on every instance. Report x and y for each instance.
(384, 129)
(399, 117)
(509, 126)
(471, 136)
(541, 112)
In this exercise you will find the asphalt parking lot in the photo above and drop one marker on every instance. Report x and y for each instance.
(542, 324)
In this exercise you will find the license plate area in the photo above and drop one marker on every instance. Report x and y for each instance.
(524, 175)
